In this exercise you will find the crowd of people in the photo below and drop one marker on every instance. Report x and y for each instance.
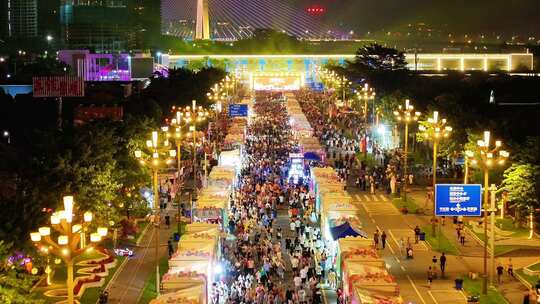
(345, 134)
(272, 258)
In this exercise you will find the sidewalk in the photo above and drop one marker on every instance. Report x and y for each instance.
(472, 253)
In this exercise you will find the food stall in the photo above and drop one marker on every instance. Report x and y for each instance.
(230, 158)
(222, 177)
(372, 278)
(192, 292)
(336, 210)
(362, 296)
(211, 206)
(357, 248)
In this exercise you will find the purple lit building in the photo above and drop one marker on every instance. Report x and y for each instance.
(107, 67)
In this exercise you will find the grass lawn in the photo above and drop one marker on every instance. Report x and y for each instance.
(91, 295)
(440, 242)
(410, 204)
(535, 267)
(149, 291)
(140, 229)
(507, 224)
(531, 279)
(60, 274)
(474, 287)
(502, 249)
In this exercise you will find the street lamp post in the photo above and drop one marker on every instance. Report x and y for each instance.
(486, 156)
(159, 156)
(194, 115)
(468, 156)
(435, 129)
(406, 115)
(7, 135)
(69, 236)
(366, 94)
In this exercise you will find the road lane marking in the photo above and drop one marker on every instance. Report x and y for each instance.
(416, 289)
(432, 297)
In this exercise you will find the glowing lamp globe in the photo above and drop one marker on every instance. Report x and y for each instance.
(88, 216)
(102, 231)
(35, 236)
(44, 231)
(63, 240)
(95, 237)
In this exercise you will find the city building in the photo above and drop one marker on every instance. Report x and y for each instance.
(49, 19)
(107, 66)
(145, 23)
(99, 25)
(21, 18)
(3, 19)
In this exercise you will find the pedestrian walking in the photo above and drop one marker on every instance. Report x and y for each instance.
(376, 239)
(500, 271)
(401, 245)
(442, 261)
(170, 248)
(416, 234)
(434, 265)
(430, 276)
(168, 221)
(510, 268)
(462, 239)
(383, 239)
(527, 297)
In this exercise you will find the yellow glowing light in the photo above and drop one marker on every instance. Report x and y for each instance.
(102, 231)
(44, 231)
(35, 236)
(95, 237)
(63, 240)
(55, 219)
(88, 216)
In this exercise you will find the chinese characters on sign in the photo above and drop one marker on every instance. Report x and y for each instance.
(238, 110)
(458, 199)
(58, 86)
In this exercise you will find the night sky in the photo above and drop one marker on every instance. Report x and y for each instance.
(520, 17)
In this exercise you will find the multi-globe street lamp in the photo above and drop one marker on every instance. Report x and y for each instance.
(488, 154)
(217, 95)
(158, 156)
(468, 159)
(406, 115)
(435, 130)
(366, 94)
(70, 238)
(193, 116)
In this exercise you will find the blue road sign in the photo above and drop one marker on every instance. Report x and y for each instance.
(238, 110)
(458, 199)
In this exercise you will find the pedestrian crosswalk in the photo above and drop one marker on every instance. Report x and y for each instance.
(376, 204)
(360, 197)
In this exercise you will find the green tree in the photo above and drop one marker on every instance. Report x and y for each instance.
(375, 57)
(15, 284)
(521, 181)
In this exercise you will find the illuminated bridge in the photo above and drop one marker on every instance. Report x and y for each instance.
(236, 19)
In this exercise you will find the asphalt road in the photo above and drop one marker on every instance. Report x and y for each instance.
(128, 285)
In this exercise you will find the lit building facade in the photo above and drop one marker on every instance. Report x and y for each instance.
(21, 18)
(100, 25)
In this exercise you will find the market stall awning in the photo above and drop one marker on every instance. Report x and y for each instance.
(312, 156)
(346, 230)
